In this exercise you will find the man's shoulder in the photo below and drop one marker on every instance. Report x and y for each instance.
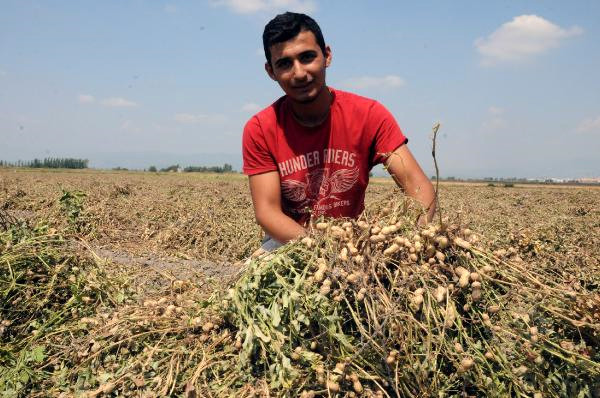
(347, 97)
(352, 101)
(269, 113)
(359, 107)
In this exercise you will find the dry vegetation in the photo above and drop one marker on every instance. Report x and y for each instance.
(512, 308)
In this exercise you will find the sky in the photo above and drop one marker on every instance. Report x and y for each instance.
(133, 83)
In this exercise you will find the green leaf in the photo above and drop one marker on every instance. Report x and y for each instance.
(275, 315)
(583, 393)
(104, 377)
(203, 303)
(248, 344)
(37, 354)
(302, 318)
(285, 300)
(294, 295)
(286, 363)
(24, 376)
(259, 333)
(295, 325)
(120, 297)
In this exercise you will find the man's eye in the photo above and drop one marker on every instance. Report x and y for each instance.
(307, 57)
(284, 64)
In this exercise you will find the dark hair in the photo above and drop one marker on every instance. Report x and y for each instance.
(287, 26)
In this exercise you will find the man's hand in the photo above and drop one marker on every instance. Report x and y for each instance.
(410, 178)
(266, 196)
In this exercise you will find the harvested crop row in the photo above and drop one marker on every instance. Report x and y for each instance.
(411, 312)
(373, 307)
(45, 288)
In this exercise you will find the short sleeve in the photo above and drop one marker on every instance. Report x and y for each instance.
(388, 136)
(257, 158)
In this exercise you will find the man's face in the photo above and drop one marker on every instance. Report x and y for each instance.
(298, 65)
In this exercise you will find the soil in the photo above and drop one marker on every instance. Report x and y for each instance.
(171, 268)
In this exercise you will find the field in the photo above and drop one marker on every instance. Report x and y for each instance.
(182, 237)
(209, 217)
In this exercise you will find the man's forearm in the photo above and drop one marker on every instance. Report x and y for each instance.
(280, 226)
(409, 176)
(422, 190)
(426, 196)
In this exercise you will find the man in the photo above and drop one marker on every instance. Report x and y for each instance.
(309, 154)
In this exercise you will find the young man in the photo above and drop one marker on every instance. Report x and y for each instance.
(309, 154)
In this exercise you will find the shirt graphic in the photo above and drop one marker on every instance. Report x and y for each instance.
(319, 185)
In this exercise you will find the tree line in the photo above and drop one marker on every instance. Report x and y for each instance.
(48, 163)
(226, 168)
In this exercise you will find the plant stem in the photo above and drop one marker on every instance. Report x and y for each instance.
(435, 129)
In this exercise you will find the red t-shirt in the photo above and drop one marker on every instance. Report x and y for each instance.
(324, 170)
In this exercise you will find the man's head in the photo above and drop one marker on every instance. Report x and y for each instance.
(287, 26)
(296, 56)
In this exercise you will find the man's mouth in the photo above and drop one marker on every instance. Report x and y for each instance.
(302, 87)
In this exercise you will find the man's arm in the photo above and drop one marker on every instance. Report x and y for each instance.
(266, 196)
(410, 178)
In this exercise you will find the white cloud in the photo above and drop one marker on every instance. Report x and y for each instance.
(2, 73)
(254, 6)
(367, 82)
(494, 123)
(494, 110)
(494, 120)
(130, 126)
(85, 98)
(523, 37)
(251, 107)
(171, 8)
(589, 125)
(189, 118)
(112, 102)
(118, 102)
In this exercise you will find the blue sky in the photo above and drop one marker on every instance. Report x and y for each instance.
(515, 84)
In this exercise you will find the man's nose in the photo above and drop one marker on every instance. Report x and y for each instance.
(299, 71)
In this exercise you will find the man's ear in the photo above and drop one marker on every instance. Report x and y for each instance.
(328, 56)
(269, 71)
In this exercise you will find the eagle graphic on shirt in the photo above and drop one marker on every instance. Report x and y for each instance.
(319, 183)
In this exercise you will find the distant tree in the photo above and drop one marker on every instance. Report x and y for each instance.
(152, 168)
(173, 167)
(226, 168)
(50, 163)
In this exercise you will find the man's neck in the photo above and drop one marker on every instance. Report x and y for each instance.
(314, 113)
